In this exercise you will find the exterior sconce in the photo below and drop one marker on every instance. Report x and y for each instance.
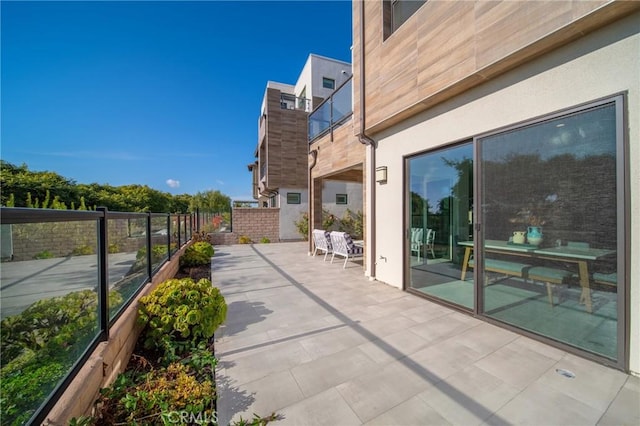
(381, 174)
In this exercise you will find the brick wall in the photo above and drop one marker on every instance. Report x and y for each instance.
(253, 223)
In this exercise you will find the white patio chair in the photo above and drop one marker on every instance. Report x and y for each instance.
(416, 241)
(431, 238)
(343, 245)
(322, 242)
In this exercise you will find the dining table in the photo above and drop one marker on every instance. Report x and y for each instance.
(580, 255)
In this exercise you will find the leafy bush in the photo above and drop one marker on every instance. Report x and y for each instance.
(113, 248)
(83, 250)
(201, 236)
(44, 254)
(302, 226)
(158, 252)
(197, 254)
(244, 240)
(328, 220)
(182, 311)
(40, 345)
(204, 247)
(352, 224)
(144, 399)
(265, 240)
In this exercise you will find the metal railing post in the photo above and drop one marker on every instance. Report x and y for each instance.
(149, 266)
(169, 236)
(103, 272)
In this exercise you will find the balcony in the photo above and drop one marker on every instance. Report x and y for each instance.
(289, 101)
(331, 113)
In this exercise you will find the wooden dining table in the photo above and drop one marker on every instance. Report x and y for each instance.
(579, 255)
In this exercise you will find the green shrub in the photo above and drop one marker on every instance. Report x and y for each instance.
(40, 345)
(265, 240)
(196, 256)
(302, 226)
(44, 254)
(113, 248)
(204, 247)
(144, 399)
(182, 311)
(83, 250)
(244, 240)
(352, 224)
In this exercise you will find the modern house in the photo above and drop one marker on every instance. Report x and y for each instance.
(280, 171)
(497, 145)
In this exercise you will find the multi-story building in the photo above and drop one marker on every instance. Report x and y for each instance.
(280, 171)
(497, 143)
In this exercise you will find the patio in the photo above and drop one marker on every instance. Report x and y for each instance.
(318, 344)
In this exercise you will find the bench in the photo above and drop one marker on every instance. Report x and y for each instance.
(514, 269)
(549, 276)
(606, 279)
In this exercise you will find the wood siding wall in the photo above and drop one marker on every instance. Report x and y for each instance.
(340, 158)
(448, 47)
(343, 153)
(286, 148)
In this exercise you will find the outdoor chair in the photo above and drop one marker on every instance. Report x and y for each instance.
(322, 242)
(343, 245)
(431, 238)
(416, 241)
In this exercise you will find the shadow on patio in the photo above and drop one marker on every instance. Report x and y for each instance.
(322, 345)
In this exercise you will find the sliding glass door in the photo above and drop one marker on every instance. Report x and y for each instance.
(440, 217)
(546, 252)
(551, 197)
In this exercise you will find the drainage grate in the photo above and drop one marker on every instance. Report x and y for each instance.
(566, 373)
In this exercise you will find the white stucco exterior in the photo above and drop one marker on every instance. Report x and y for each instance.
(317, 67)
(291, 213)
(353, 191)
(599, 65)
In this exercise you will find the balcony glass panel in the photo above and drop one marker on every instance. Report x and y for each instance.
(342, 105)
(320, 120)
(49, 309)
(159, 237)
(127, 260)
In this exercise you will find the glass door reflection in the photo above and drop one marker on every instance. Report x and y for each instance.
(440, 205)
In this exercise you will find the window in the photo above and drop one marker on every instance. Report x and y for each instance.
(328, 83)
(341, 198)
(396, 12)
(293, 198)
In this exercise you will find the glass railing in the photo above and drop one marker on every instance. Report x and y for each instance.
(289, 101)
(65, 278)
(332, 112)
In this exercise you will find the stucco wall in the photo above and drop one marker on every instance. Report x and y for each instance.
(599, 65)
(291, 213)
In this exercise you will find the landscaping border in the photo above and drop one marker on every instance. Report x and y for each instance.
(110, 358)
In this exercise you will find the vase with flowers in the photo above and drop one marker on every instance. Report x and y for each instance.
(534, 230)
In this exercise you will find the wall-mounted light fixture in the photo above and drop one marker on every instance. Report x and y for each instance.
(381, 174)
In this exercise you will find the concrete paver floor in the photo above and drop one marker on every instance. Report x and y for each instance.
(322, 345)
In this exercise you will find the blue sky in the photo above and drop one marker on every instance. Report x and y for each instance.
(153, 93)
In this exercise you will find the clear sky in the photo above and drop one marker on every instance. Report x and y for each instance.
(164, 94)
